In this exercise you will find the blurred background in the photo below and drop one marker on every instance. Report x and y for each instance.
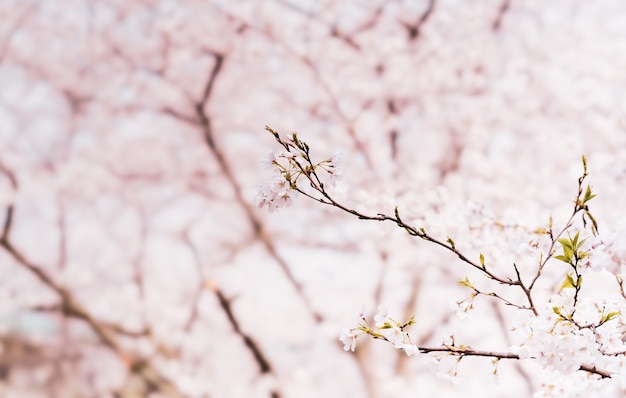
(133, 261)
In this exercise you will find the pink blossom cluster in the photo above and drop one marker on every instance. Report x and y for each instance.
(610, 250)
(288, 167)
(280, 191)
(573, 334)
(385, 328)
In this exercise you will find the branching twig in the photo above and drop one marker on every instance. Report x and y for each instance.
(301, 165)
(73, 308)
(414, 30)
(70, 306)
(502, 10)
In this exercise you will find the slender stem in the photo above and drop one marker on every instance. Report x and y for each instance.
(308, 170)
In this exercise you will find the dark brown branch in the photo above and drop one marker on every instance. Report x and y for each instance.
(177, 115)
(208, 88)
(334, 32)
(326, 199)
(469, 352)
(264, 365)
(307, 168)
(112, 326)
(73, 308)
(555, 238)
(497, 22)
(207, 130)
(8, 219)
(414, 30)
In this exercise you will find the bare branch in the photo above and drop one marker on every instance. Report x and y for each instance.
(414, 30)
(497, 21)
(259, 232)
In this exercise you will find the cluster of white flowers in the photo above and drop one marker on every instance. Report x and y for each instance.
(288, 167)
(571, 333)
(610, 251)
(446, 365)
(578, 328)
(334, 167)
(385, 328)
(281, 191)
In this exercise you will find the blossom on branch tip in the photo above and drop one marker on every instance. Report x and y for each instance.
(269, 160)
(279, 193)
(348, 338)
(290, 165)
(382, 316)
(385, 328)
(336, 167)
(410, 349)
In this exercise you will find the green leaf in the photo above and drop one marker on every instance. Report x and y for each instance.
(451, 242)
(580, 244)
(563, 258)
(610, 315)
(466, 282)
(588, 195)
(566, 243)
(386, 325)
(568, 283)
(482, 260)
(274, 133)
(593, 221)
(568, 253)
(575, 241)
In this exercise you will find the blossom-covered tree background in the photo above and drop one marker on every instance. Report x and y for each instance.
(134, 261)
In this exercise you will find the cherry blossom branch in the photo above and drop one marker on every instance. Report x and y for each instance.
(414, 30)
(502, 10)
(470, 352)
(580, 205)
(393, 332)
(299, 156)
(259, 357)
(307, 168)
(295, 163)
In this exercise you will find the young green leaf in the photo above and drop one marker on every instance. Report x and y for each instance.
(588, 195)
(566, 243)
(568, 283)
(609, 316)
